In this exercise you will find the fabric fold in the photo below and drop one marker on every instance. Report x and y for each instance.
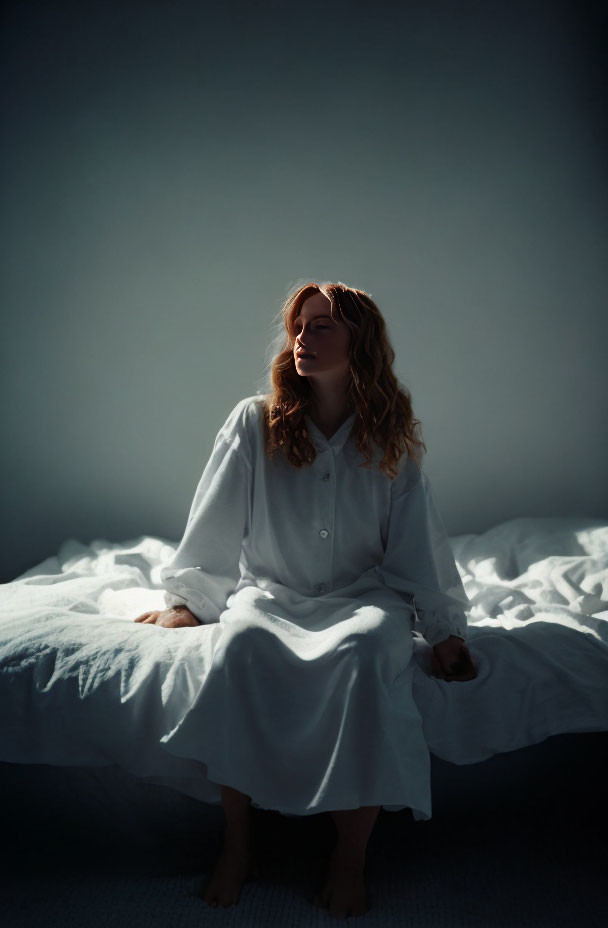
(418, 560)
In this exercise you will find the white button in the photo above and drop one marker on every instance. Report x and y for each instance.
(326, 476)
(321, 588)
(323, 533)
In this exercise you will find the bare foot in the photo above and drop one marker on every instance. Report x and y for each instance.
(235, 864)
(344, 891)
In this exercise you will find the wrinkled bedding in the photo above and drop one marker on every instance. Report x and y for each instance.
(81, 684)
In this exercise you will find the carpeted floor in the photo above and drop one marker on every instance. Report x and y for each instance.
(494, 858)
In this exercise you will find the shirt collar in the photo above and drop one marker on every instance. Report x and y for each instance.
(337, 440)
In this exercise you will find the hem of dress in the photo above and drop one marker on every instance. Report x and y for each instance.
(395, 805)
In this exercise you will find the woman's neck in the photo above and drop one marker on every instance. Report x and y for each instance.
(329, 417)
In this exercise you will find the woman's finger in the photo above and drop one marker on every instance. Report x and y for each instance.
(140, 618)
(436, 668)
(463, 663)
(152, 617)
(469, 674)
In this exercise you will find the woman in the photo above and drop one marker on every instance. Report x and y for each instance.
(313, 540)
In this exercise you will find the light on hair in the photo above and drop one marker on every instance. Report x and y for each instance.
(384, 415)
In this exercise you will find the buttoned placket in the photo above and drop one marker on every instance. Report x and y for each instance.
(326, 515)
(326, 459)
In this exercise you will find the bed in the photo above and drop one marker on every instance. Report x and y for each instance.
(83, 686)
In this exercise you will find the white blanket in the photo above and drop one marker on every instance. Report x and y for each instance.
(81, 684)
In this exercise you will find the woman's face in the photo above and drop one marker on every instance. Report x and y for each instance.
(326, 339)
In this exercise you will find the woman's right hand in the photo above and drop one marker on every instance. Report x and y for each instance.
(169, 618)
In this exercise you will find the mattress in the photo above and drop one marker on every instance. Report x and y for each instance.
(83, 686)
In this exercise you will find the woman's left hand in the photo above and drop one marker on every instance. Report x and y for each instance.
(452, 660)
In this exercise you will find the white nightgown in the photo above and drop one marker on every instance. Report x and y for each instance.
(309, 582)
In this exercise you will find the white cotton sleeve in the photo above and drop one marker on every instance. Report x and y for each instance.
(205, 568)
(418, 559)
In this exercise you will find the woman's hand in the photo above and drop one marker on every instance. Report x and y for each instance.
(169, 618)
(452, 660)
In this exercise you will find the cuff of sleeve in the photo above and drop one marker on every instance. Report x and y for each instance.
(437, 630)
(172, 601)
(436, 637)
(200, 605)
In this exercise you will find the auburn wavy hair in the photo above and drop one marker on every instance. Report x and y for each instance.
(383, 406)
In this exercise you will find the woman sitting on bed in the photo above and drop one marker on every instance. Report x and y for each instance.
(313, 539)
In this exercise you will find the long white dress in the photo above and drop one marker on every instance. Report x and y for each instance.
(309, 582)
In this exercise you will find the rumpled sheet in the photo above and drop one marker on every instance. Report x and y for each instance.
(81, 684)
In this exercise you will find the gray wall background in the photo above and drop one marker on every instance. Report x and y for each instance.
(170, 170)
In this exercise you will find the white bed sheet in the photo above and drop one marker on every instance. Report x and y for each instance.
(81, 684)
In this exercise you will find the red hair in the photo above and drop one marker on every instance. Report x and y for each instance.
(383, 407)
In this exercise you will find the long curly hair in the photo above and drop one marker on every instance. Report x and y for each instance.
(383, 406)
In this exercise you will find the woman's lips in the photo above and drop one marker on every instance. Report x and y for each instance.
(305, 357)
